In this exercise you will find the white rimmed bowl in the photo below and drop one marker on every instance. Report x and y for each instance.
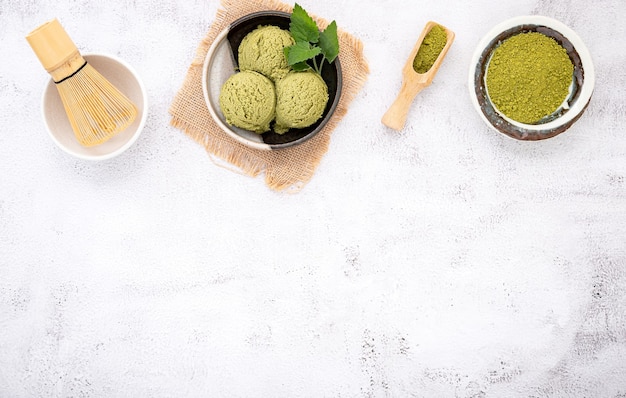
(581, 89)
(221, 62)
(122, 76)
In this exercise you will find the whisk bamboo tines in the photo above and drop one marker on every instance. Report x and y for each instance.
(96, 109)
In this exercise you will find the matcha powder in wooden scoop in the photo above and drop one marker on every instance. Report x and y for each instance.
(432, 45)
(529, 77)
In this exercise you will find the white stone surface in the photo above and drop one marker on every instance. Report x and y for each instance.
(442, 261)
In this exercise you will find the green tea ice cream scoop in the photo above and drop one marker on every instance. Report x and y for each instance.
(301, 98)
(262, 50)
(248, 101)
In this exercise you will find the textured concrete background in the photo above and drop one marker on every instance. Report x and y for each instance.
(442, 261)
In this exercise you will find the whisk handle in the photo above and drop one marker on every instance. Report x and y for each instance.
(52, 45)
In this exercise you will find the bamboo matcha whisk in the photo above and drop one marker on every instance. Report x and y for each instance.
(96, 109)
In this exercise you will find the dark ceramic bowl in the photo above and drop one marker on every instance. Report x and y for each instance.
(222, 61)
(581, 88)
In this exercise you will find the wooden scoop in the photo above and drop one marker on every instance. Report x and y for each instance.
(413, 82)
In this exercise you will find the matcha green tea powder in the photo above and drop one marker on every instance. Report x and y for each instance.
(432, 45)
(529, 77)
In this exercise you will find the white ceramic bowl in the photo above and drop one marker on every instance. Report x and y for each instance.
(122, 76)
(581, 88)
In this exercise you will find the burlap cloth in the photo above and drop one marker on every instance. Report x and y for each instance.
(285, 169)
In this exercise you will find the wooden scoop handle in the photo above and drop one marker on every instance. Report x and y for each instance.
(396, 115)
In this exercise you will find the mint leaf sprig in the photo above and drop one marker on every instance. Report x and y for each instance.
(310, 42)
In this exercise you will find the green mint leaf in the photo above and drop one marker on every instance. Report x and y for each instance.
(302, 26)
(329, 42)
(301, 66)
(300, 52)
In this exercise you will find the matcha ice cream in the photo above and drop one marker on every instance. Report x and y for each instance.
(301, 98)
(262, 51)
(266, 90)
(248, 101)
